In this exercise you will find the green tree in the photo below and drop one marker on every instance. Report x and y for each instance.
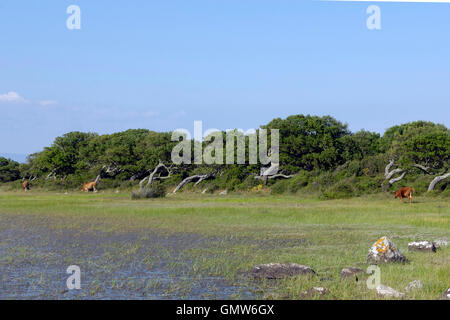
(9, 170)
(310, 142)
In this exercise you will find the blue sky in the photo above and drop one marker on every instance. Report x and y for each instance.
(230, 63)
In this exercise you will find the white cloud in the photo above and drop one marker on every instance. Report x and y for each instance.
(11, 97)
(47, 102)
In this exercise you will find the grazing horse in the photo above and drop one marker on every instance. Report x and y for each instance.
(89, 186)
(405, 192)
(25, 185)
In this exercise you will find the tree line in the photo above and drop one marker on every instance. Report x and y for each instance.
(316, 153)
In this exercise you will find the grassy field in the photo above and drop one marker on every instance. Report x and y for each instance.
(201, 246)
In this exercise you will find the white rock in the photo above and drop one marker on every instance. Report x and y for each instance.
(441, 243)
(413, 285)
(223, 193)
(446, 294)
(422, 246)
(386, 291)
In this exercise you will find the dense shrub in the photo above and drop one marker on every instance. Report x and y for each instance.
(157, 190)
(339, 191)
(9, 170)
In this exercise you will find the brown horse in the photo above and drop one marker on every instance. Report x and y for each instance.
(405, 192)
(89, 186)
(25, 185)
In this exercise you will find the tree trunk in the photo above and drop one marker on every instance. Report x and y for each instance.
(388, 173)
(271, 173)
(198, 178)
(388, 167)
(52, 174)
(437, 180)
(392, 181)
(152, 176)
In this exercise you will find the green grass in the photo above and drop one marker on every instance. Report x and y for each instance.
(252, 229)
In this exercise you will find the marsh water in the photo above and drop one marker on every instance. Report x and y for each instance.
(34, 258)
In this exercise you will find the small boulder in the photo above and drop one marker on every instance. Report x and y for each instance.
(386, 291)
(350, 272)
(441, 243)
(321, 291)
(414, 285)
(446, 294)
(384, 251)
(422, 246)
(223, 193)
(279, 270)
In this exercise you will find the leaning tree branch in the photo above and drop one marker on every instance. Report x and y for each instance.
(388, 173)
(152, 177)
(52, 174)
(392, 181)
(271, 173)
(197, 177)
(423, 168)
(388, 167)
(275, 176)
(437, 180)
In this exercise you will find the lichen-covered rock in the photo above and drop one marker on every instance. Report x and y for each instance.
(386, 291)
(279, 270)
(414, 285)
(350, 272)
(384, 251)
(422, 246)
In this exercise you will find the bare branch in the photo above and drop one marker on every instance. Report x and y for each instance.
(392, 181)
(424, 169)
(388, 167)
(198, 178)
(52, 174)
(152, 177)
(437, 180)
(388, 173)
